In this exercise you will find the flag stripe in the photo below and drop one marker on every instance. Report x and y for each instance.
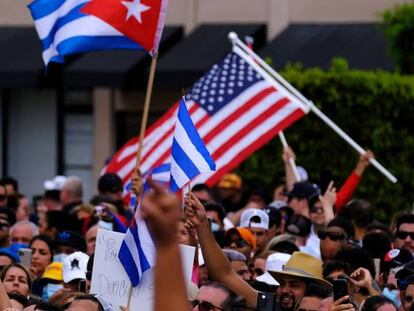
(41, 8)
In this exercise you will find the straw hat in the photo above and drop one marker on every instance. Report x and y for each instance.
(303, 266)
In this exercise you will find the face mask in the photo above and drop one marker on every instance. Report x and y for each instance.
(59, 257)
(392, 295)
(50, 289)
(105, 225)
(214, 227)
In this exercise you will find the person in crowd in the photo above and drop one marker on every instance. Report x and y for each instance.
(257, 221)
(4, 231)
(23, 208)
(378, 303)
(53, 222)
(51, 280)
(303, 195)
(377, 244)
(312, 299)
(335, 238)
(239, 263)
(90, 237)
(23, 232)
(242, 240)
(297, 273)
(212, 296)
(16, 279)
(42, 247)
(11, 184)
(91, 303)
(71, 193)
(215, 213)
(300, 227)
(274, 262)
(203, 192)
(230, 192)
(275, 221)
(74, 271)
(284, 243)
(362, 215)
(404, 236)
(110, 185)
(68, 242)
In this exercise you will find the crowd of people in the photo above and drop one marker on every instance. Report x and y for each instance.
(302, 247)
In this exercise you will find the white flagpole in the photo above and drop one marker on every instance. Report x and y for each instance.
(236, 41)
(291, 160)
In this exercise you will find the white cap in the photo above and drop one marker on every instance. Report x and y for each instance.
(278, 204)
(55, 184)
(274, 262)
(75, 267)
(247, 215)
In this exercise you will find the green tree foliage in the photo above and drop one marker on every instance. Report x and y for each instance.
(398, 27)
(374, 108)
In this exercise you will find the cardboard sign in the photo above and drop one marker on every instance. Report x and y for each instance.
(110, 280)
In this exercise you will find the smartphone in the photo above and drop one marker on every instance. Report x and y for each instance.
(340, 289)
(25, 255)
(82, 286)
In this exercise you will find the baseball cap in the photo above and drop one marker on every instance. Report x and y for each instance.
(53, 272)
(245, 234)
(55, 184)
(299, 225)
(406, 271)
(234, 255)
(305, 190)
(12, 251)
(278, 204)
(230, 181)
(398, 257)
(110, 182)
(75, 267)
(254, 218)
(70, 238)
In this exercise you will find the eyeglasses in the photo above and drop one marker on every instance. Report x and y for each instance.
(334, 236)
(3, 197)
(239, 242)
(204, 305)
(404, 234)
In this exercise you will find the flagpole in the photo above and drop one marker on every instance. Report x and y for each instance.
(291, 160)
(309, 104)
(146, 108)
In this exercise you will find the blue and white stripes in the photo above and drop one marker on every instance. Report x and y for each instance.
(189, 155)
(63, 29)
(137, 251)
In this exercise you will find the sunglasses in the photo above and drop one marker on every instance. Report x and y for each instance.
(238, 242)
(316, 210)
(404, 234)
(334, 236)
(204, 305)
(330, 279)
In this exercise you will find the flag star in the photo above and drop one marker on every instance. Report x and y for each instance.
(135, 8)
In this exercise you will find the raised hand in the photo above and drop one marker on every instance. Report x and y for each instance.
(136, 183)
(328, 199)
(339, 305)
(194, 211)
(288, 154)
(363, 162)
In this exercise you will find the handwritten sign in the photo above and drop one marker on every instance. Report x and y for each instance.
(110, 280)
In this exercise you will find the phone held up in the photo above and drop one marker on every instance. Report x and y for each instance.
(340, 289)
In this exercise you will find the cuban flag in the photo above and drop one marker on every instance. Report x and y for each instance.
(74, 26)
(189, 155)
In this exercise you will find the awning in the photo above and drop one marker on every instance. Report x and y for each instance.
(314, 45)
(21, 62)
(187, 61)
(116, 68)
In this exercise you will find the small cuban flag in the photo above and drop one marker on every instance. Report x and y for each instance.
(189, 155)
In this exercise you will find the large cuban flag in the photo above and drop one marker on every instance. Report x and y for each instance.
(74, 26)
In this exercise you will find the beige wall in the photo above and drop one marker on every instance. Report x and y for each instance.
(275, 13)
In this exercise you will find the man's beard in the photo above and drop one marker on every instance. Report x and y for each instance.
(287, 302)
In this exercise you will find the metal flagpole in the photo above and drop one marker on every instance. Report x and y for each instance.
(291, 160)
(236, 41)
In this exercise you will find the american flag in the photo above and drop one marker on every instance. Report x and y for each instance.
(236, 107)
